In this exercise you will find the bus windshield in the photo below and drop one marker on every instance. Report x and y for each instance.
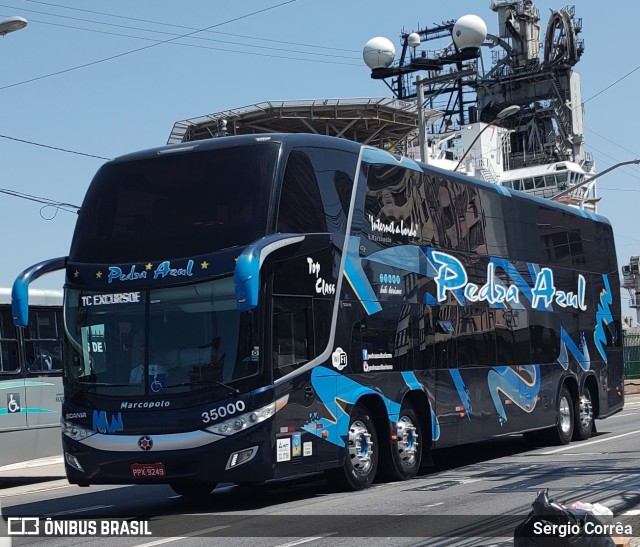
(176, 205)
(153, 342)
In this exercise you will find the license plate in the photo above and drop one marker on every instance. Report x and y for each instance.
(148, 470)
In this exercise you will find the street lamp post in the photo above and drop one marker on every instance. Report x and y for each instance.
(11, 24)
(589, 179)
(422, 129)
(504, 113)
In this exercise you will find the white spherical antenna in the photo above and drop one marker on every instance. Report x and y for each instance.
(378, 52)
(413, 40)
(469, 31)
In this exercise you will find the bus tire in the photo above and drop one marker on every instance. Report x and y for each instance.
(192, 489)
(562, 432)
(406, 452)
(361, 458)
(583, 412)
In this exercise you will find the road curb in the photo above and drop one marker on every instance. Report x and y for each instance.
(632, 387)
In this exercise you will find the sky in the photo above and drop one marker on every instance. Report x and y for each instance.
(102, 79)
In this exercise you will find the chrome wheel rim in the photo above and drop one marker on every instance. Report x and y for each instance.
(360, 448)
(408, 441)
(586, 411)
(565, 415)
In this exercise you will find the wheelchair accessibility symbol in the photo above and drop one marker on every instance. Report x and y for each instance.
(13, 403)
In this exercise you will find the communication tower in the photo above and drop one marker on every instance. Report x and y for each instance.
(472, 75)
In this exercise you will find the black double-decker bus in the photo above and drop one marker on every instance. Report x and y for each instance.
(247, 308)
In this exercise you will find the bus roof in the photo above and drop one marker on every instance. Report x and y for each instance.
(309, 139)
(301, 139)
(37, 297)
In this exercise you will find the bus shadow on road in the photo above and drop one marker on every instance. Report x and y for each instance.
(153, 501)
(14, 482)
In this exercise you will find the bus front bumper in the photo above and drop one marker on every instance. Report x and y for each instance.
(179, 457)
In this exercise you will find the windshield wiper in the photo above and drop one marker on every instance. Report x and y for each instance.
(234, 391)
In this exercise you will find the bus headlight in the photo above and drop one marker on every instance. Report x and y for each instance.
(75, 431)
(248, 419)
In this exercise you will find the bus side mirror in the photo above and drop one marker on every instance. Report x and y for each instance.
(20, 304)
(246, 276)
(20, 290)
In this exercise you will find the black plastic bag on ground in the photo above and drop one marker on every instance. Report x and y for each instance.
(550, 524)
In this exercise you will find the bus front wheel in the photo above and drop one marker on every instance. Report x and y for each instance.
(361, 457)
(194, 489)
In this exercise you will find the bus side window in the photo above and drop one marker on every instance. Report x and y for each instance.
(292, 333)
(44, 356)
(43, 345)
(9, 356)
(322, 314)
(316, 190)
(43, 325)
(394, 198)
(8, 343)
(300, 202)
(476, 337)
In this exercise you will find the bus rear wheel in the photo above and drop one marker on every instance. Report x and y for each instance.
(190, 489)
(361, 458)
(583, 427)
(406, 452)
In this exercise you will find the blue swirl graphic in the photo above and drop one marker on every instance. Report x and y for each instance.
(521, 391)
(603, 317)
(463, 391)
(568, 346)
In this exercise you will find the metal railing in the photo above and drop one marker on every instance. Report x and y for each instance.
(631, 355)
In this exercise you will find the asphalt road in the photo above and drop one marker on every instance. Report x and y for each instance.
(475, 495)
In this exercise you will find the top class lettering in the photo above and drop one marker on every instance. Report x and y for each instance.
(322, 287)
(393, 227)
(452, 276)
(164, 269)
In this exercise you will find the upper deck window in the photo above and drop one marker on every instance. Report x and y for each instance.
(316, 191)
(176, 205)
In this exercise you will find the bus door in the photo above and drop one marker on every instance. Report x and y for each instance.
(43, 362)
(293, 346)
(12, 384)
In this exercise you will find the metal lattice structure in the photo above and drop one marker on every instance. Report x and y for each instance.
(530, 69)
(390, 124)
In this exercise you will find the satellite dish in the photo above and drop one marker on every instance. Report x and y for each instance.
(378, 52)
(470, 31)
(413, 40)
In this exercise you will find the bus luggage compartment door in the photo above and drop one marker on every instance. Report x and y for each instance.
(296, 439)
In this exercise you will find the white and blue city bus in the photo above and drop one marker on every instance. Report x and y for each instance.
(31, 378)
(255, 307)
